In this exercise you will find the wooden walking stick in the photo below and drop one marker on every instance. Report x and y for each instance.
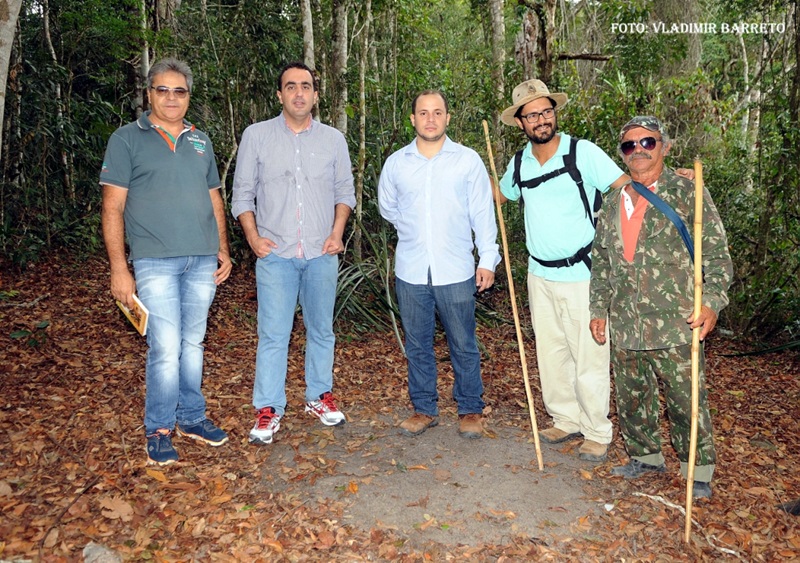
(698, 305)
(520, 341)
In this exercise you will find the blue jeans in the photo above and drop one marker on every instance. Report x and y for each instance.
(280, 282)
(455, 304)
(178, 293)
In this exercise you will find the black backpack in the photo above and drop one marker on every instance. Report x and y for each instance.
(570, 167)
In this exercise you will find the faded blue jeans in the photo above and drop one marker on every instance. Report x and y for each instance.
(178, 293)
(281, 282)
(455, 304)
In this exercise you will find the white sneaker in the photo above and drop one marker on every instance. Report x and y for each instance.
(326, 410)
(268, 422)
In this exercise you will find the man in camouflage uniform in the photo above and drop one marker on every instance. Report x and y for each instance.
(642, 280)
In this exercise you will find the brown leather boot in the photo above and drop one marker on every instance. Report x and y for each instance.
(593, 451)
(470, 425)
(418, 423)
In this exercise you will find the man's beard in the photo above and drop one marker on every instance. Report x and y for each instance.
(544, 137)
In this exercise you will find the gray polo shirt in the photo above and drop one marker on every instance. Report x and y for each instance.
(168, 209)
(292, 182)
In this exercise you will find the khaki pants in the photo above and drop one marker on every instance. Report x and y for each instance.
(573, 368)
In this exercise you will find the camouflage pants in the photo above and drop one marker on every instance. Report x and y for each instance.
(636, 376)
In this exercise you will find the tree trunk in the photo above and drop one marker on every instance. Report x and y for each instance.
(498, 25)
(546, 12)
(308, 33)
(66, 177)
(498, 55)
(362, 128)
(534, 45)
(339, 67)
(140, 82)
(9, 12)
(525, 45)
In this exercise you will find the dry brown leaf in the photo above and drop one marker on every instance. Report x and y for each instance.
(352, 487)
(506, 513)
(427, 523)
(52, 538)
(117, 508)
(221, 499)
(157, 475)
(325, 540)
(442, 475)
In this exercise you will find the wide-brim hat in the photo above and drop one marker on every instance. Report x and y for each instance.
(525, 93)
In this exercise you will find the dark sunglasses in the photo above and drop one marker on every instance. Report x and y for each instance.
(648, 143)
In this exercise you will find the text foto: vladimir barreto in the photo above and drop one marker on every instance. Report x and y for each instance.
(698, 27)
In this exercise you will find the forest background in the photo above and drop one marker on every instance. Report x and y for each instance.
(72, 71)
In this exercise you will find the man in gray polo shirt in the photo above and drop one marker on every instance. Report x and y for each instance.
(293, 193)
(161, 189)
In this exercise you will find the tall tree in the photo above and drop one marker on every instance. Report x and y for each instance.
(339, 66)
(362, 125)
(308, 33)
(9, 12)
(66, 165)
(498, 49)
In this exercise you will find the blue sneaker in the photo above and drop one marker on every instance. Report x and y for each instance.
(205, 431)
(159, 448)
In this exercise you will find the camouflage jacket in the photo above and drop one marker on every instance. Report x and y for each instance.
(647, 301)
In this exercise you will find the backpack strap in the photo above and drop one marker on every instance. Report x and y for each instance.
(583, 255)
(570, 167)
(664, 207)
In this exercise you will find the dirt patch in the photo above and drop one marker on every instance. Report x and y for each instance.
(439, 487)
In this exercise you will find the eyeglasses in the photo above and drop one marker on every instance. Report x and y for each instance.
(648, 143)
(163, 91)
(534, 116)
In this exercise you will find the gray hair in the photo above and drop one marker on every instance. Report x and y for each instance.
(170, 64)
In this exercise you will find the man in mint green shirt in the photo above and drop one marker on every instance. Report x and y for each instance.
(560, 181)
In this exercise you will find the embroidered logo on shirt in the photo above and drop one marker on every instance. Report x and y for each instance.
(198, 144)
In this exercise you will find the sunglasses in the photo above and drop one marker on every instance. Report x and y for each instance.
(648, 143)
(163, 91)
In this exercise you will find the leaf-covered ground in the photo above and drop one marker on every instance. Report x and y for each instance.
(73, 472)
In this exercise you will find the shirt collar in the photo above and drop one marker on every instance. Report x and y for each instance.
(448, 146)
(286, 127)
(144, 122)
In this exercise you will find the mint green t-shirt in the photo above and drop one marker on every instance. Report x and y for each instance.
(556, 225)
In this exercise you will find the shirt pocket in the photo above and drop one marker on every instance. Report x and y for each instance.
(319, 167)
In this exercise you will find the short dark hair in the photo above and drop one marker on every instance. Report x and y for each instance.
(170, 64)
(430, 93)
(518, 113)
(301, 66)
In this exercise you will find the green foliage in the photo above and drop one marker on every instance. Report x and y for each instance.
(60, 112)
(34, 337)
